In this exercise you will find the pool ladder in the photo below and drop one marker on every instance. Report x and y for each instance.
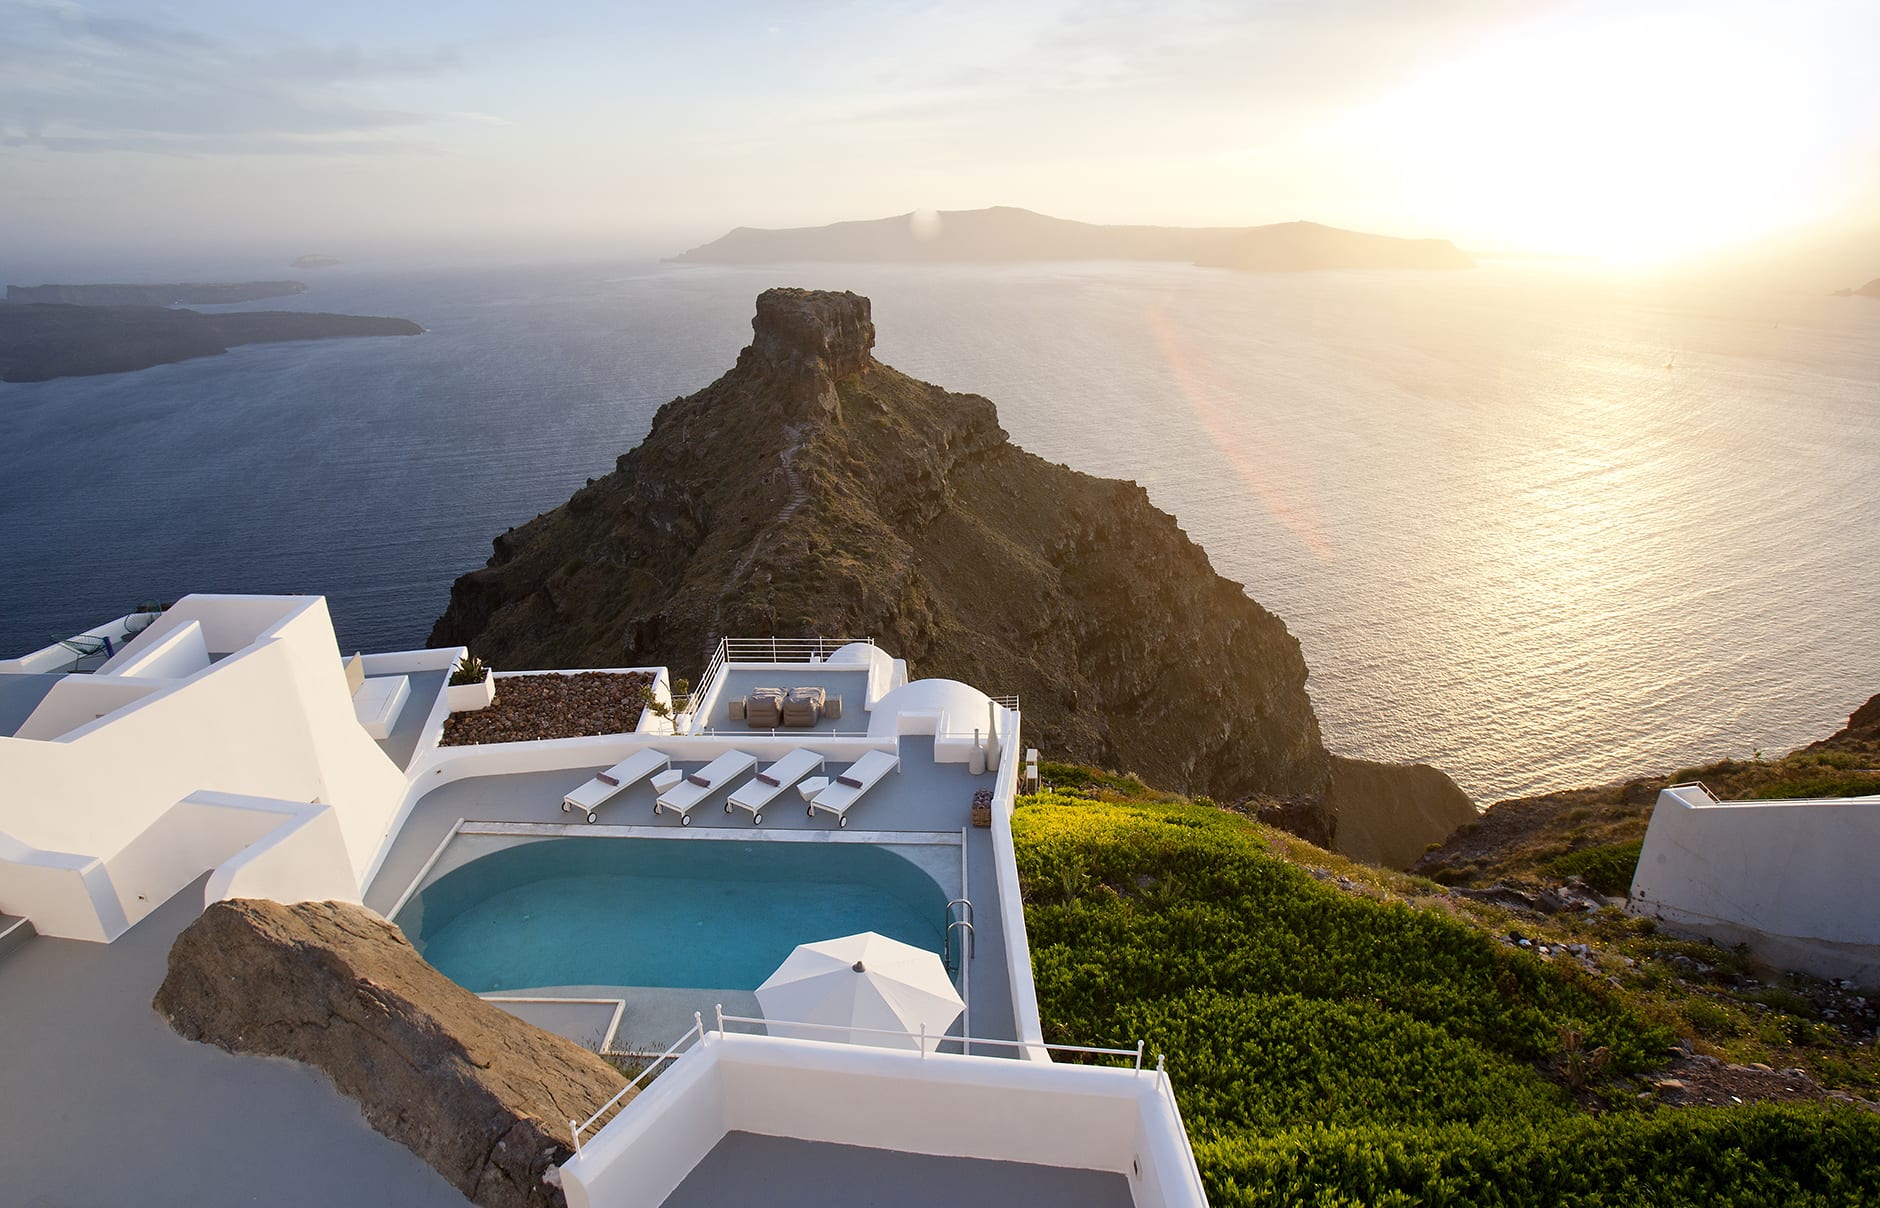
(963, 919)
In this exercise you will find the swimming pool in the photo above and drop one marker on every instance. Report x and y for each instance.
(661, 912)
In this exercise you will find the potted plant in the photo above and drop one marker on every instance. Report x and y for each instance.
(472, 685)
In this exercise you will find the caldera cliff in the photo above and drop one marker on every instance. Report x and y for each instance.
(814, 490)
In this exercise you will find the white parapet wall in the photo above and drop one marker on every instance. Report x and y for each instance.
(1792, 879)
(1081, 1117)
(249, 698)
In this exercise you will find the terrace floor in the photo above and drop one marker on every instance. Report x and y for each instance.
(105, 1105)
(923, 796)
(850, 685)
(20, 695)
(781, 1172)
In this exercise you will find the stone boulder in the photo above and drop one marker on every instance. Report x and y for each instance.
(482, 1096)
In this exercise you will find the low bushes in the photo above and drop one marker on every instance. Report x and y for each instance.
(1330, 1047)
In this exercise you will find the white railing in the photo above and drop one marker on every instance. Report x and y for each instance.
(785, 650)
(765, 650)
(776, 1027)
(1009, 701)
(695, 1032)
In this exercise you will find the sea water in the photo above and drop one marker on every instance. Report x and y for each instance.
(1537, 527)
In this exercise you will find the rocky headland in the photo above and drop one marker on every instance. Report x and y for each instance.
(173, 294)
(480, 1095)
(813, 490)
(1006, 233)
(41, 341)
(1869, 290)
(1596, 832)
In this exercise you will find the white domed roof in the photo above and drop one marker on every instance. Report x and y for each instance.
(866, 653)
(963, 705)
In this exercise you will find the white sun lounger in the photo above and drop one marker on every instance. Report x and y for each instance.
(848, 788)
(761, 790)
(615, 780)
(701, 784)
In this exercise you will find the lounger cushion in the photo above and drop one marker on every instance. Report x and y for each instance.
(604, 778)
(832, 708)
(850, 781)
(737, 710)
(699, 780)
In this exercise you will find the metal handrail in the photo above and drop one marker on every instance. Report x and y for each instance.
(923, 1035)
(946, 942)
(946, 938)
(785, 650)
(696, 1030)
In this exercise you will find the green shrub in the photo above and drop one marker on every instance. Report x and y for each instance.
(469, 670)
(1820, 786)
(1607, 869)
(1330, 1048)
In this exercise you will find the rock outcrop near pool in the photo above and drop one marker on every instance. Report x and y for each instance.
(482, 1096)
(813, 490)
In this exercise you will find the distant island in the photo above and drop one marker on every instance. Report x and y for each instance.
(1005, 233)
(40, 341)
(185, 294)
(312, 261)
(1869, 290)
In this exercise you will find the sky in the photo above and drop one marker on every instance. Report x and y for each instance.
(1641, 132)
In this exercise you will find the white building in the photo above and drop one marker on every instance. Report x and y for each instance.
(226, 749)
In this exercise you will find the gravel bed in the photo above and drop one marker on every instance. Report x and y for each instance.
(530, 707)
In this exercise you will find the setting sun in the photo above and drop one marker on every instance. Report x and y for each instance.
(1642, 139)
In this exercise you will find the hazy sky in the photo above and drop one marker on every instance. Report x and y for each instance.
(1632, 130)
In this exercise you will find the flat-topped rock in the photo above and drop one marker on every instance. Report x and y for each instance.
(482, 1096)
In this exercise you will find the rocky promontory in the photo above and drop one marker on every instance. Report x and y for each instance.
(41, 341)
(813, 490)
(482, 1096)
(1869, 290)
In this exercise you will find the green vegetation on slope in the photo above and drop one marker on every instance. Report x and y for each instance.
(1354, 1037)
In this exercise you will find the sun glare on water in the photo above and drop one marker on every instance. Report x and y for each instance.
(1643, 139)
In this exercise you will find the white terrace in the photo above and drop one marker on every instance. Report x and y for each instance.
(223, 748)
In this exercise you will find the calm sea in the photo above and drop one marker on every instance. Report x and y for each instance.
(1539, 529)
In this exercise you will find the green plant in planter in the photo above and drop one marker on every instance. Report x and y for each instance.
(469, 670)
(657, 707)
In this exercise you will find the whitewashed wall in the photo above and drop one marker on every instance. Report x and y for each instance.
(1793, 879)
(1074, 1116)
(273, 719)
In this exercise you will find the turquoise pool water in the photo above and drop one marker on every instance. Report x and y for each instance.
(661, 912)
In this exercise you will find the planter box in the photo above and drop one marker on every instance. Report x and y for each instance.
(468, 698)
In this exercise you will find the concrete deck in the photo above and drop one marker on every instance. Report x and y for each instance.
(850, 685)
(779, 1172)
(402, 742)
(105, 1105)
(19, 696)
(922, 796)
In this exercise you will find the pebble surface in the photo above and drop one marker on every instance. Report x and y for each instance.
(531, 707)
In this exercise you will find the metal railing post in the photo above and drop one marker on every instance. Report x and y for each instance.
(1139, 1045)
(574, 1130)
(721, 1019)
(698, 1022)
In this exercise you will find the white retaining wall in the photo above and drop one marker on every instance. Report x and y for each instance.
(1074, 1116)
(1793, 879)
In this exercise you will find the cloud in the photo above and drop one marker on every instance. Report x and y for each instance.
(77, 79)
